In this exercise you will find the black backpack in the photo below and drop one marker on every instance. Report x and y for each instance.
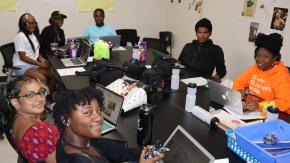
(105, 74)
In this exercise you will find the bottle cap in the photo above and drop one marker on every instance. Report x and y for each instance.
(175, 67)
(192, 85)
(146, 107)
(272, 109)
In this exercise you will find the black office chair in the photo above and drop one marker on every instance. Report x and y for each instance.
(288, 69)
(167, 37)
(8, 51)
(128, 35)
(156, 44)
(6, 118)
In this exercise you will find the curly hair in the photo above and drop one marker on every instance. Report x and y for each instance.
(67, 100)
(204, 23)
(272, 42)
(14, 87)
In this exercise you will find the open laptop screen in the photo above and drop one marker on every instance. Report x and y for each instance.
(113, 104)
(185, 149)
(78, 44)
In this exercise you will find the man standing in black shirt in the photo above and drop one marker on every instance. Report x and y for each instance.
(53, 33)
(202, 56)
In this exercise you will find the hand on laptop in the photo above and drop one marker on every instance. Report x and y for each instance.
(250, 105)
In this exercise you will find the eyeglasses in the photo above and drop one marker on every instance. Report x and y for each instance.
(42, 92)
(30, 23)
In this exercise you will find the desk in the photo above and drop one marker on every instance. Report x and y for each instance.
(167, 115)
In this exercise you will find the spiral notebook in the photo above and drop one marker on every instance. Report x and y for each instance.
(112, 108)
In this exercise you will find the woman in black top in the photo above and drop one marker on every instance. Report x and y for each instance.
(77, 113)
(53, 33)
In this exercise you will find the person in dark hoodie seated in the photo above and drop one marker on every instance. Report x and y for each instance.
(53, 32)
(77, 114)
(201, 56)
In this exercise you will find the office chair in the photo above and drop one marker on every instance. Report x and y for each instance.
(167, 37)
(6, 116)
(128, 35)
(8, 51)
(288, 69)
(156, 44)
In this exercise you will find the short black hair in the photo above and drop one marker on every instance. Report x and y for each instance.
(67, 100)
(203, 23)
(272, 42)
(99, 10)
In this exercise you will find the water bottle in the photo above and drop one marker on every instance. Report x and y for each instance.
(145, 125)
(142, 52)
(272, 113)
(190, 97)
(175, 77)
(73, 48)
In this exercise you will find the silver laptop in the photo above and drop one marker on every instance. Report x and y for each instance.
(112, 108)
(185, 149)
(230, 99)
(113, 39)
(83, 53)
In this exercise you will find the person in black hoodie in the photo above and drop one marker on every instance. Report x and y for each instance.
(53, 33)
(202, 56)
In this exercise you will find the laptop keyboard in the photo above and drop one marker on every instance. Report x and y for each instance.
(76, 61)
(106, 126)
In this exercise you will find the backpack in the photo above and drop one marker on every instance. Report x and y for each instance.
(105, 74)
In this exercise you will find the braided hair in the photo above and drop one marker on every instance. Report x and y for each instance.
(22, 28)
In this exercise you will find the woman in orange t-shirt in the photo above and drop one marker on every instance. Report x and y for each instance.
(268, 79)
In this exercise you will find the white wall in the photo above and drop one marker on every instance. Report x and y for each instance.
(230, 29)
(148, 17)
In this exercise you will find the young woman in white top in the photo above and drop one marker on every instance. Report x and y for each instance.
(27, 55)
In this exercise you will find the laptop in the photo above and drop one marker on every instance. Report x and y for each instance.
(83, 52)
(113, 106)
(229, 98)
(185, 149)
(113, 39)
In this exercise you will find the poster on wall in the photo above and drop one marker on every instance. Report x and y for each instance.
(253, 31)
(279, 18)
(45, 2)
(90, 5)
(198, 7)
(249, 8)
(8, 5)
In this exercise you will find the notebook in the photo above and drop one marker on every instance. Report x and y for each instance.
(83, 52)
(113, 39)
(229, 98)
(185, 149)
(113, 107)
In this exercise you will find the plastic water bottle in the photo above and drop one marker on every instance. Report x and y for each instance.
(272, 113)
(73, 48)
(175, 77)
(142, 52)
(190, 97)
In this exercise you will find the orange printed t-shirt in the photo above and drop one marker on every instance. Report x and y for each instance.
(270, 85)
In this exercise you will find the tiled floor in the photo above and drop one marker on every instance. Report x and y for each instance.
(7, 154)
